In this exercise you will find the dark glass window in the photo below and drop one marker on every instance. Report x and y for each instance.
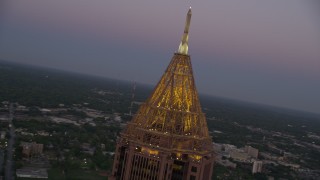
(194, 169)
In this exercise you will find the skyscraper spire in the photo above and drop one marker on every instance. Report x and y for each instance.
(168, 138)
(183, 47)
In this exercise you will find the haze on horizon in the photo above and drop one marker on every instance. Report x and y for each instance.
(265, 52)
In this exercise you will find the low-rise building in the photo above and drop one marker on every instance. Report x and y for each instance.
(32, 173)
(239, 156)
(257, 167)
(31, 149)
(252, 152)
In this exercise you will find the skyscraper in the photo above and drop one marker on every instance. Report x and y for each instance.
(168, 137)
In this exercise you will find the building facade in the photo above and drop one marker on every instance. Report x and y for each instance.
(257, 167)
(252, 152)
(31, 149)
(168, 138)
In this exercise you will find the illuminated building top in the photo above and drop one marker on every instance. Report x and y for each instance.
(168, 138)
(172, 118)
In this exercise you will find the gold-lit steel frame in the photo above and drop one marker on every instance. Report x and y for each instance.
(169, 127)
(168, 138)
(172, 118)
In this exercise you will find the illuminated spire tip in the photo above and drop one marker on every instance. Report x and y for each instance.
(183, 47)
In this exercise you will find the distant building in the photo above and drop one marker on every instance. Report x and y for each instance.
(5, 102)
(239, 156)
(292, 166)
(103, 146)
(21, 108)
(44, 110)
(269, 156)
(4, 118)
(31, 149)
(228, 147)
(217, 147)
(275, 149)
(86, 148)
(270, 178)
(252, 152)
(117, 118)
(3, 135)
(32, 173)
(225, 162)
(257, 167)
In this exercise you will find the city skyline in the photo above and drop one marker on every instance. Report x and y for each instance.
(264, 52)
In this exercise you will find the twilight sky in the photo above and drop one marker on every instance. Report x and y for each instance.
(258, 51)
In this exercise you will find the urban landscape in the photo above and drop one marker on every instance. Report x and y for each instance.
(79, 98)
(77, 140)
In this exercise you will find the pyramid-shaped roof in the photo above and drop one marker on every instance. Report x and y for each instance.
(171, 118)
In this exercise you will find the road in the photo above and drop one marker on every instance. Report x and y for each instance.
(9, 163)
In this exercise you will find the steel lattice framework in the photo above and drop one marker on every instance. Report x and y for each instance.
(171, 118)
(168, 137)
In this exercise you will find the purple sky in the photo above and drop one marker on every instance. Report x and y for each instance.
(259, 51)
